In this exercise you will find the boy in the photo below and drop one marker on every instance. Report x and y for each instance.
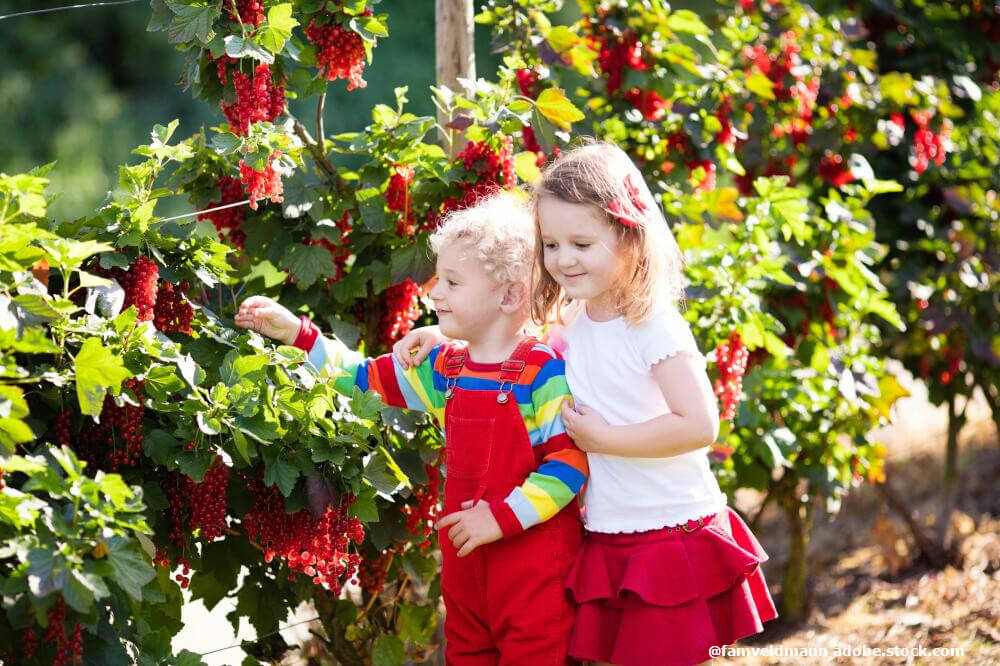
(512, 473)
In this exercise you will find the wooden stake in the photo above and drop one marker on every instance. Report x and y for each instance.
(454, 32)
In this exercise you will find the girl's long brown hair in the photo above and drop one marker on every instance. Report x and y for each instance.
(600, 174)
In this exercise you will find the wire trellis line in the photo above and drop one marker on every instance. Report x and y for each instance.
(202, 212)
(259, 638)
(66, 7)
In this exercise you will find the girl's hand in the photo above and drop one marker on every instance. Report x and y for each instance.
(269, 318)
(473, 527)
(423, 340)
(586, 427)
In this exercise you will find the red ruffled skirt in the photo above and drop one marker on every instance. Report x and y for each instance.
(666, 596)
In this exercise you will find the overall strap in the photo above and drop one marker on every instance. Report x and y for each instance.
(511, 369)
(455, 361)
(453, 365)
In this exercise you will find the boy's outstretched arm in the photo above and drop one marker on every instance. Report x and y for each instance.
(409, 389)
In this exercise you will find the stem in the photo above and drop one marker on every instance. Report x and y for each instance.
(320, 135)
(956, 420)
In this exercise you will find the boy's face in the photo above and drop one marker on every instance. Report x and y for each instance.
(467, 299)
(579, 248)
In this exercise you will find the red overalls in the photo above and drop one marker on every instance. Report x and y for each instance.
(505, 602)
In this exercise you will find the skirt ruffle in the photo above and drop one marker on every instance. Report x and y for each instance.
(664, 597)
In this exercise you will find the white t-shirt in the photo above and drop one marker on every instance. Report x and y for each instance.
(608, 367)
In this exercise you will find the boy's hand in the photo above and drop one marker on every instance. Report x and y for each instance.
(585, 427)
(269, 318)
(471, 528)
(423, 340)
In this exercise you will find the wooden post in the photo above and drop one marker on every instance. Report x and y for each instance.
(454, 32)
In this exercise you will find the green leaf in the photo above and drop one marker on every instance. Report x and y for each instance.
(760, 85)
(78, 593)
(684, 20)
(129, 569)
(309, 263)
(554, 105)
(417, 623)
(365, 404)
(192, 20)
(14, 432)
(237, 47)
(282, 474)
(526, 166)
(364, 507)
(273, 34)
(388, 650)
(226, 143)
(97, 370)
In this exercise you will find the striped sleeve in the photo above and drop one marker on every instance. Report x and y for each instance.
(408, 389)
(563, 470)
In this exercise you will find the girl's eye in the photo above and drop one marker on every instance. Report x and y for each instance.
(583, 245)
(549, 246)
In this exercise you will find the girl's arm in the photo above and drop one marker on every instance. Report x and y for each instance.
(692, 424)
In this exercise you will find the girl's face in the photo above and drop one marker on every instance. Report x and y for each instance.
(580, 250)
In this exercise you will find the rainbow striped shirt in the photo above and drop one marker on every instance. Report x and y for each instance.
(541, 391)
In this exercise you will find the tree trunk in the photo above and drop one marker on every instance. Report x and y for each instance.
(794, 592)
(337, 643)
(933, 551)
(454, 33)
(956, 420)
(992, 395)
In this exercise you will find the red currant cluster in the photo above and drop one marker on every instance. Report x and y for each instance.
(257, 100)
(160, 559)
(221, 66)
(139, 283)
(172, 312)
(397, 198)
(614, 53)
(834, 170)
(29, 643)
(247, 11)
(262, 184)
(492, 170)
(61, 428)
(530, 142)
(228, 220)
(649, 103)
(402, 308)
(315, 547)
(340, 53)
(126, 422)
(528, 82)
(421, 518)
(731, 359)
(927, 146)
(208, 501)
(372, 574)
(68, 650)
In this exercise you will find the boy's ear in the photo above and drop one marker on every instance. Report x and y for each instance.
(514, 297)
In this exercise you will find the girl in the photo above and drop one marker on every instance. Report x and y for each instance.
(666, 570)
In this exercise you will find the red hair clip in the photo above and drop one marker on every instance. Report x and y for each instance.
(618, 209)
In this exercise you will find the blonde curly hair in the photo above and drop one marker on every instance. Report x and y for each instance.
(502, 233)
